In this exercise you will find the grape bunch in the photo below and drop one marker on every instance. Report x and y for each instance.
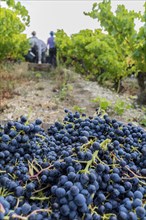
(83, 168)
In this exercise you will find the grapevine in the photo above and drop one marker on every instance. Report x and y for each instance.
(13, 21)
(111, 53)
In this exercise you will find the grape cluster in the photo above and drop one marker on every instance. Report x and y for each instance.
(84, 168)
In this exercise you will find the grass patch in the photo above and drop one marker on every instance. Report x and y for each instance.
(11, 75)
(14, 75)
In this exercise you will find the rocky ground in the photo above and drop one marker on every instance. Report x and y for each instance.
(47, 96)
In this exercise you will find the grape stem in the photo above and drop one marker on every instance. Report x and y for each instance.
(95, 156)
(140, 177)
(39, 198)
(107, 216)
(37, 174)
(85, 146)
(39, 190)
(17, 204)
(34, 212)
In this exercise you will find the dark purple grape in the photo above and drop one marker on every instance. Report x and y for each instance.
(79, 200)
(65, 210)
(60, 192)
(26, 208)
(141, 212)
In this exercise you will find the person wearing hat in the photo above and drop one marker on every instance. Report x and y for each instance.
(52, 49)
(38, 48)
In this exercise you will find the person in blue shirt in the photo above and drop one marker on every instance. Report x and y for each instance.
(52, 49)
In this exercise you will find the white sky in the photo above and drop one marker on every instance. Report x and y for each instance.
(67, 15)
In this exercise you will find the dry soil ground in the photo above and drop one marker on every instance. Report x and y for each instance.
(46, 95)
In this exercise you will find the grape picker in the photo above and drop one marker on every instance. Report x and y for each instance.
(52, 49)
(37, 51)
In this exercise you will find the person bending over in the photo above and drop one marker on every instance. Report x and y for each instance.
(38, 48)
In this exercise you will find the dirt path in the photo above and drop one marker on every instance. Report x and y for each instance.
(47, 98)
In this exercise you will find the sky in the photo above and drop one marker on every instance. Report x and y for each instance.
(50, 15)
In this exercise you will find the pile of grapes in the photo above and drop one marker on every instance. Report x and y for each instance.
(83, 168)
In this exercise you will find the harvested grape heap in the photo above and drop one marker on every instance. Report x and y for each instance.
(84, 168)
